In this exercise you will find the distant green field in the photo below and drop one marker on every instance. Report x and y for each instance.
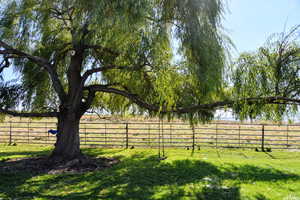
(206, 174)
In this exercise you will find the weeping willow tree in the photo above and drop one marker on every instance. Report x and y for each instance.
(267, 82)
(74, 55)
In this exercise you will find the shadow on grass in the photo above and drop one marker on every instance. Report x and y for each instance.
(96, 151)
(24, 153)
(260, 197)
(140, 176)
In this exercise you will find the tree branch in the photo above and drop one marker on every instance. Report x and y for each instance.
(95, 70)
(230, 103)
(88, 102)
(133, 97)
(39, 61)
(90, 72)
(23, 114)
(4, 64)
(182, 110)
(106, 68)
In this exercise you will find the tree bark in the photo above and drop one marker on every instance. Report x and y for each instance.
(67, 146)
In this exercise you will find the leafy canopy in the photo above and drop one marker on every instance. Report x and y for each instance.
(135, 34)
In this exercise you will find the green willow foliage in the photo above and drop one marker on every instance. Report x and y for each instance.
(9, 96)
(271, 71)
(137, 33)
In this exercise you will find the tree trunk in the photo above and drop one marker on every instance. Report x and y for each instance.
(67, 146)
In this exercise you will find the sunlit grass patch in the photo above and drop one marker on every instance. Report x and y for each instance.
(206, 174)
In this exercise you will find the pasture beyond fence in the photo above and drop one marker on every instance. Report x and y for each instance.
(158, 134)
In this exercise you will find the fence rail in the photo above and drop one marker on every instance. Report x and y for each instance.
(156, 134)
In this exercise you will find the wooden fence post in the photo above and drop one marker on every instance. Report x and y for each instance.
(263, 138)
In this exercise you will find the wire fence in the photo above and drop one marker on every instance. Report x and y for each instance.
(157, 134)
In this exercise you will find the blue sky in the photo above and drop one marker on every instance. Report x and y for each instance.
(249, 22)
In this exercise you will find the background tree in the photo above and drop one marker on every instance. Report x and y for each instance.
(271, 75)
(72, 55)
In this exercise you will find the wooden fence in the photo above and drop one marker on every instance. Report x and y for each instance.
(158, 134)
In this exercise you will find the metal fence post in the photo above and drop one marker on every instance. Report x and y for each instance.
(10, 134)
(28, 132)
(126, 135)
(163, 137)
(193, 129)
(149, 140)
(105, 139)
(46, 131)
(287, 136)
(263, 138)
(85, 134)
(239, 136)
(216, 135)
(171, 144)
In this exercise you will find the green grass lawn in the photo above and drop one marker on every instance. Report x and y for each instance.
(207, 174)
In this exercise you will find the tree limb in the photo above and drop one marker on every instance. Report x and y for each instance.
(4, 64)
(90, 72)
(229, 103)
(39, 61)
(182, 110)
(106, 68)
(133, 97)
(88, 102)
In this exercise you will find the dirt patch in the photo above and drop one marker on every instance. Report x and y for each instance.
(39, 165)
